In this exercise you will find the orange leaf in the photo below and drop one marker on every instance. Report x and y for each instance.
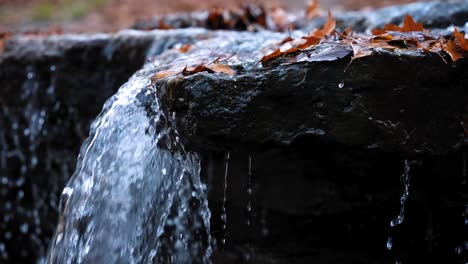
(286, 40)
(163, 25)
(452, 49)
(327, 29)
(185, 48)
(163, 74)
(410, 25)
(270, 56)
(4, 36)
(460, 38)
(221, 68)
(310, 41)
(312, 9)
(378, 31)
(348, 31)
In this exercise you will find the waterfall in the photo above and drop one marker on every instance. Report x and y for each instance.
(129, 171)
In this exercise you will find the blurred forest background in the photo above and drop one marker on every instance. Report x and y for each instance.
(111, 15)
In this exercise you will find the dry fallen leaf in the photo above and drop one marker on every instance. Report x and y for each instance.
(312, 9)
(4, 36)
(460, 38)
(221, 68)
(163, 74)
(163, 25)
(327, 29)
(310, 41)
(270, 56)
(452, 49)
(185, 48)
(408, 25)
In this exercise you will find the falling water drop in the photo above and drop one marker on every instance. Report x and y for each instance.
(341, 84)
(389, 243)
(223, 210)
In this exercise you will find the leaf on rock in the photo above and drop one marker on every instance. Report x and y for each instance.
(312, 9)
(310, 41)
(460, 38)
(163, 74)
(270, 56)
(163, 25)
(452, 49)
(185, 48)
(221, 68)
(327, 29)
(408, 25)
(4, 36)
(286, 40)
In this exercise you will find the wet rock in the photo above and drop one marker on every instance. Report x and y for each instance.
(376, 103)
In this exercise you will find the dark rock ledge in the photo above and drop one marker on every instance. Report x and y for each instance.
(409, 103)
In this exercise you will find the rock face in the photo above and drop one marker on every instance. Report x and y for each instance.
(326, 145)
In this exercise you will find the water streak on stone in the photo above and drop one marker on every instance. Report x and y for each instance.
(224, 220)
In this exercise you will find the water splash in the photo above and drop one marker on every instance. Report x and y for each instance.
(405, 180)
(224, 220)
(129, 171)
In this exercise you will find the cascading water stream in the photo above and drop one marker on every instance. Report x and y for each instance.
(115, 207)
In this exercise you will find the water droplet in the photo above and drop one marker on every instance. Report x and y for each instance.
(249, 207)
(389, 243)
(30, 75)
(458, 250)
(341, 85)
(52, 68)
(164, 171)
(24, 228)
(20, 194)
(4, 180)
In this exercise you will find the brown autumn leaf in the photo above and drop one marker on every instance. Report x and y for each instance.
(163, 25)
(286, 40)
(163, 74)
(185, 48)
(221, 68)
(272, 55)
(347, 32)
(310, 41)
(408, 25)
(460, 38)
(312, 9)
(452, 49)
(4, 36)
(327, 29)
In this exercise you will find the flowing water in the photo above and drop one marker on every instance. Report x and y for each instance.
(136, 194)
(127, 176)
